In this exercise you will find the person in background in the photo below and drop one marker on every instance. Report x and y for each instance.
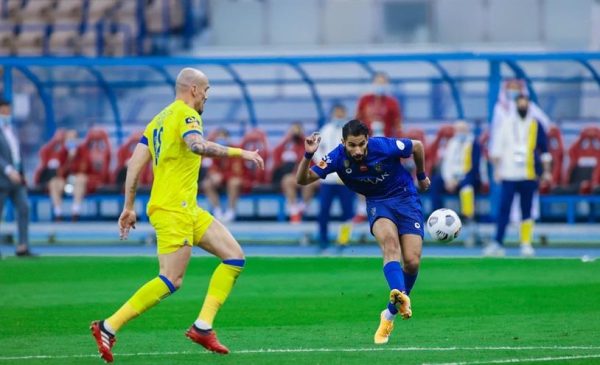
(506, 104)
(460, 173)
(332, 186)
(286, 156)
(519, 156)
(63, 178)
(381, 112)
(12, 180)
(223, 173)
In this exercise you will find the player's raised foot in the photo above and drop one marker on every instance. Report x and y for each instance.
(402, 302)
(207, 339)
(104, 340)
(382, 335)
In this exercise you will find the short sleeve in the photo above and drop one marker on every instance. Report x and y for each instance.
(399, 147)
(327, 164)
(189, 124)
(147, 136)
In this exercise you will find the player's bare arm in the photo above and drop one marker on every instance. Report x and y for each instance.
(202, 147)
(304, 175)
(141, 156)
(419, 156)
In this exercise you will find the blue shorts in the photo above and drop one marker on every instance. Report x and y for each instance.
(405, 211)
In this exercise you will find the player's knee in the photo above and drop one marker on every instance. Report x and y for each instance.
(391, 245)
(411, 264)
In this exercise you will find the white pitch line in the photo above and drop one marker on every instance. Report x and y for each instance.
(514, 361)
(317, 350)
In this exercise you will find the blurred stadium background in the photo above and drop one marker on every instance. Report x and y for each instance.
(106, 67)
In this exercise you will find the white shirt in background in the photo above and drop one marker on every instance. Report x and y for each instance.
(331, 137)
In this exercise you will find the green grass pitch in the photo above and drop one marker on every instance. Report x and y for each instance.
(308, 311)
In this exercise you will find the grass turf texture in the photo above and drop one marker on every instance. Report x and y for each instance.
(324, 310)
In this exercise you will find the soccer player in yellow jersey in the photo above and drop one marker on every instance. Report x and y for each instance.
(173, 141)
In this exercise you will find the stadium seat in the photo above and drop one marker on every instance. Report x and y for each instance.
(123, 155)
(93, 159)
(556, 149)
(52, 150)
(254, 178)
(64, 41)
(69, 11)
(437, 147)
(584, 157)
(7, 42)
(30, 42)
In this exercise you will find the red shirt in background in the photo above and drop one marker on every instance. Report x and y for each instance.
(385, 109)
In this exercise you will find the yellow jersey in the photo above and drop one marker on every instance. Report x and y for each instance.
(175, 166)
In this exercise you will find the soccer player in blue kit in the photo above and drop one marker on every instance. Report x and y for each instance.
(371, 167)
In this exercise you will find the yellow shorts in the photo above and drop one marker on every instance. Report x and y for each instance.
(177, 229)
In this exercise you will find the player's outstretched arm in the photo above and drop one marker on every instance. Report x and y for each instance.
(141, 156)
(419, 157)
(202, 147)
(304, 175)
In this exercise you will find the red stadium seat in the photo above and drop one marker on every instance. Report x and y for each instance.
(123, 155)
(556, 149)
(255, 139)
(93, 159)
(54, 151)
(584, 157)
(437, 147)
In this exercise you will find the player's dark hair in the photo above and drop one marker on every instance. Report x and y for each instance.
(4, 102)
(355, 128)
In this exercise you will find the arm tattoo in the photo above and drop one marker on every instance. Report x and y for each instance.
(202, 147)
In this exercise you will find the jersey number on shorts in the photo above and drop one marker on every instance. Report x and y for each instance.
(156, 137)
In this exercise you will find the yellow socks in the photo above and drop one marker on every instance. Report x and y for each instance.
(527, 232)
(145, 298)
(467, 201)
(219, 288)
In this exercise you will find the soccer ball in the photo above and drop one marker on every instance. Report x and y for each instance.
(444, 225)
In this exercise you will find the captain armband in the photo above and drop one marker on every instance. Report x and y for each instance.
(234, 152)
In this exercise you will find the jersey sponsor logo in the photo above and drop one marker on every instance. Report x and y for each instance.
(400, 145)
(417, 225)
(364, 168)
(378, 167)
(348, 171)
(375, 180)
(190, 120)
(346, 163)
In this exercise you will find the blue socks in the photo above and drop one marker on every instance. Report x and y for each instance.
(395, 278)
(409, 281)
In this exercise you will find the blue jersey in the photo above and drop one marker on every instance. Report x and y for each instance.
(379, 175)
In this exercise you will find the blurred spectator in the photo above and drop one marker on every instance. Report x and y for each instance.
(61, 177)
(12, 180)
(224, 173)
(286, 156)
(505, 105)
(519, 155)
(459, 173)
(381, 112)
(332, 186)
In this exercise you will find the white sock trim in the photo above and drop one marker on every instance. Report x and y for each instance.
(388, 315)
(202, 325)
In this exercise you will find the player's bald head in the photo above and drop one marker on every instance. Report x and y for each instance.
(189, 77)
